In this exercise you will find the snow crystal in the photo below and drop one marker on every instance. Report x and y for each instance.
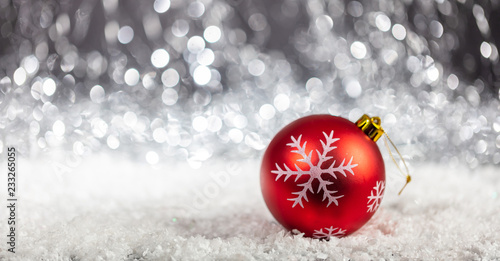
(108, 208)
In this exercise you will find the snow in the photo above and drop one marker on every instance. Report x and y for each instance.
(112, 208)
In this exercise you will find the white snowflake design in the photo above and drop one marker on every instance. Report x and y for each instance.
(315, 171)
(376, 196)
(328, 233)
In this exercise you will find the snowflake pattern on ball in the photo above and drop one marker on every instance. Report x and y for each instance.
(376, 196)
(315, 171)
(328, 233)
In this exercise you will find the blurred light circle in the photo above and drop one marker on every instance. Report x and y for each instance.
(353, 88)
(152, 157)
(160, 135)
(169, 96)
(341, 61)
(256, 67)
(212, 34)
(36, 90)
(355, 114)
(236, 135)
(19, 76)
(205, 57)
(433, 73)
(281, 102)
(383, 22)
(58, 128)
(452, 81)
(436, 29)
(200, 123)
(314, 83)
(214, 123)
(196, 44)
(149, 80)
(485, 49)
(355, 8)
(358, 50)
(413, 64)
(390, 119)
(42, 143)
(240, 121)
(63, 24)
(31, 64)
(465, 133)
(399, 32)
(267, 111)
(131, 77)
(42, 50)
(160, 58)
(202, 97)
(324, 23)
(69, 61)
(389, 56)
(161, 6)
(49, 86)
(481, 146)
(196, 9)
(237, 36)
(125, 34)
(130, 118)
(180, 28)
(113, 142)
(257, 22)
(97, 94)
(170, 77)
(202, 75)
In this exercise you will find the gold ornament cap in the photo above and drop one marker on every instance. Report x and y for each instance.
(370, 126)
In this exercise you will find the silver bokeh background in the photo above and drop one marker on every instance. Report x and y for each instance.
(171, 80)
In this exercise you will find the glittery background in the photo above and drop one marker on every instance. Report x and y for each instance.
(171, 80)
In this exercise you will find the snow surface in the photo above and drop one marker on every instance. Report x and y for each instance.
(115, 209)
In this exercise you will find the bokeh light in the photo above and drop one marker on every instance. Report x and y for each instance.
(160, 58)
(192, 80)
(125, 34)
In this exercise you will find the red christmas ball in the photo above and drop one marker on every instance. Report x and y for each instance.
(324, 175)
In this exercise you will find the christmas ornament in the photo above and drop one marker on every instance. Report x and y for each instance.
(324, 175)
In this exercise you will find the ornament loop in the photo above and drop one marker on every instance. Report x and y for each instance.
(372, 128)
(407, 174)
